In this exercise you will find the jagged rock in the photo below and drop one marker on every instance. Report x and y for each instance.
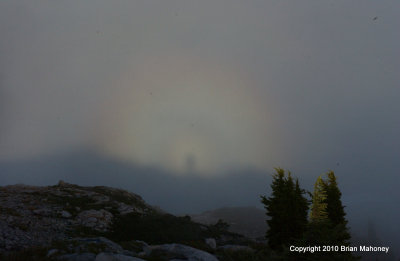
(189, 253)
(101, 199)
(116, 257)
(124, 209)
(96, 219)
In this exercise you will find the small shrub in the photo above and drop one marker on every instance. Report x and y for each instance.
(155, 229)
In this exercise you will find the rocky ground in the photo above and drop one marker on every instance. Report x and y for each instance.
(70, 222)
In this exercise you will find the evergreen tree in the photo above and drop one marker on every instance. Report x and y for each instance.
(287, 209)
(319, 206)
(327, 226)
(274, 206)
(335, 208)
(300, 210)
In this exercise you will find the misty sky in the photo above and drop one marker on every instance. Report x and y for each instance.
(207, 87)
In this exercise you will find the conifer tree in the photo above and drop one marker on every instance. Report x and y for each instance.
(287, 209)
(327, 223)
(319, 206)
(274, 206)
(335, 208)
(300, 210)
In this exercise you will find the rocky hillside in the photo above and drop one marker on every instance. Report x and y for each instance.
(36, 215)
(71, 222)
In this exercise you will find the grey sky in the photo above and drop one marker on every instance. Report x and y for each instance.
(324, 74)
(305, 85)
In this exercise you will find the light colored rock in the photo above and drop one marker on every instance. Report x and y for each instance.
(91, 220)
(190, 253)
(65, 214)
(78, 257)
(116, 257)
(96, 219)
(52, 252)
(124, 209)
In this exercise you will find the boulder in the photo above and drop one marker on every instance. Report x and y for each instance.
(189, 253)
(52, 252)
(97, 219)
(78, 257)
(65, 214)
(124, 209)
(116, 257)
(102, 243)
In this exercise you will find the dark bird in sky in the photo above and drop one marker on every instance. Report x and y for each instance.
(375, 18)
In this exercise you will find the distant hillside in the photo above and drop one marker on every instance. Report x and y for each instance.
(247, 221)
(177, 194)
